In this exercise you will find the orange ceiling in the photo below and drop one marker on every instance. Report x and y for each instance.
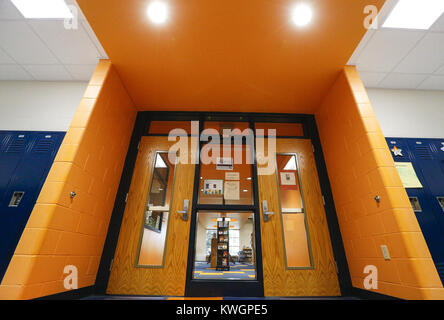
(230, 55)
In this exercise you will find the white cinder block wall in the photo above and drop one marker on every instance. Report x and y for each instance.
(409, 113)
(38, 105)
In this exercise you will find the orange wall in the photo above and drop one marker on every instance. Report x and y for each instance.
(63, 231)
(360, 167)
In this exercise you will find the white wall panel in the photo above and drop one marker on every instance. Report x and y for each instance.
(409, 113)
(39, 106)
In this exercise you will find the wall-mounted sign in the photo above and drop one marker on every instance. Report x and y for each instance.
(232, 176)
(288, 179)
(408, 175)
(442, 149)
(224, 164)
(397, 152)
(231, 190)
(213, 187)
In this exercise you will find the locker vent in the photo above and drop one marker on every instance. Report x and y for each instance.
(43, 146)
(17, 145)
(423, 152)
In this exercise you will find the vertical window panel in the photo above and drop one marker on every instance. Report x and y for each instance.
(294, 222)
(156, 212)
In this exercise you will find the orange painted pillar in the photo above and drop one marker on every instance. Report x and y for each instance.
(360, 167)
(62, 230)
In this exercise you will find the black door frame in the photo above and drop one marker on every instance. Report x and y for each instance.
(248, 288)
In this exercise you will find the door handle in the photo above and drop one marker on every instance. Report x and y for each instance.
(184, 212)
(265, 213)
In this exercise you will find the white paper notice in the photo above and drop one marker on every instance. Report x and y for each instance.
(224, 164)
(231, 190)
(288, 179)
(232, 175)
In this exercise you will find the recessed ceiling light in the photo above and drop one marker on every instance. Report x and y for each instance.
(301, 14)
(414, 14)
(157, 12)
(43, 9)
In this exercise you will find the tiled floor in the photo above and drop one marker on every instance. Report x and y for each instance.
(238, 271)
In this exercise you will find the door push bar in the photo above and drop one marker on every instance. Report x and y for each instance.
(184, 212)
(265, 212)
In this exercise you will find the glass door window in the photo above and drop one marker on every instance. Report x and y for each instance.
(224, 246)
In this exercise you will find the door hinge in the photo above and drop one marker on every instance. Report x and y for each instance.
(126, 198)
(138, 145)
(313, 147)
(336, 267)
(323, 200)
(111, 264)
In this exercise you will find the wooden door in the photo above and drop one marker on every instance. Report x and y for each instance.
(317, 275)
(166, 277)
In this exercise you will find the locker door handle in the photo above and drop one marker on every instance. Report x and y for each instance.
(184, 212)
(265, 213)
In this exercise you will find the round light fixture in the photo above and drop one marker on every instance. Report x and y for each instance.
(301, 14)
(157, 12)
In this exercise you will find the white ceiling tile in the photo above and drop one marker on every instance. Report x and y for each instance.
(402, 81)
(71, 46)
(95, 40)
(361, 46)
(20, 42)
(386, 49)
(371, 79)
(48, 72)
(433, 83)
(80, 14)
(9, 11)
(427, 56)
(81, 72)
(440, 70)
(438, 25)
(4, 58)
(13, 72)
(43, 49)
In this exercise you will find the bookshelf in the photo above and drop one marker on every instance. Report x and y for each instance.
(223, 256)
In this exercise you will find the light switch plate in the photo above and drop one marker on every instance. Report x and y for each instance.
(385, 252)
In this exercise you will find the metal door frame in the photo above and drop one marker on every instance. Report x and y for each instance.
(223, 288)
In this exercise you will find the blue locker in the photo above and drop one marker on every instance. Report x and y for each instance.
(25, 160)
(427, 156)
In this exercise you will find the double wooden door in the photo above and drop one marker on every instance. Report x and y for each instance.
(297, 256)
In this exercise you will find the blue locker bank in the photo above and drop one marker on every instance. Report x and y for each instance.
(25, 160)
(427, 157)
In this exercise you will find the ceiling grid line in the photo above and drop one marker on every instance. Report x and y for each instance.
(401, 58)
(29, 44)
(49, 49)
(16, 63)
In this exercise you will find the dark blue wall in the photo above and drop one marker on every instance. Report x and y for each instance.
(427, 156)
(25, 160)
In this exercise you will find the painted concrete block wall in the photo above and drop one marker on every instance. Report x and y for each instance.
(64, 231)
(360, 167)
(409, 113)
(39, 105)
